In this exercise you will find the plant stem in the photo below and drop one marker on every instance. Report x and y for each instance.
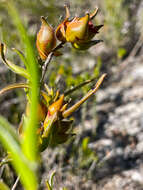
(48, 60)
(15, 184)
(45, 66)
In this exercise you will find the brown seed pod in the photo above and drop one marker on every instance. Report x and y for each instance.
(46, 40)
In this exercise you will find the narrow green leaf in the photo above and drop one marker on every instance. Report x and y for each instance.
(85, 143)
(13, 86)
(121, 52)
(30, 140)
(51, 180)
(79, 86)
(3, 186)
(22, 57)
(48, 185)
(23, 167)
(9, 128)
(15, 68)
(73, 108)
(98, 67)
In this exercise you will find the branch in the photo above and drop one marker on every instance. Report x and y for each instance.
(48, 60)
(15, 184)
(45, 66)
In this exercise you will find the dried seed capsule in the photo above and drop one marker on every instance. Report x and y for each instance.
(46, 39)
(77, 29)
(61, 29)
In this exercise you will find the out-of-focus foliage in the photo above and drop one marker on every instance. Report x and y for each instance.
(115, 15)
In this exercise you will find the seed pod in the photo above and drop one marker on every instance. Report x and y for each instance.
(61, 29)
(77, 29)
(46, 40)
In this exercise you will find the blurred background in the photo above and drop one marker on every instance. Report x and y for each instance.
(107, 152)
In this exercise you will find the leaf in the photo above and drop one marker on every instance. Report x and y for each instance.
(52, 178)
(3, 186)
(79, 86)
(85, 143)
(64, 188)
(121, 52)
(30, 142)
(23, 167)
(73, 108)
(22, 57)
(98, 67)
(13, 86)
(19, 70)
(48, 185)
(9, 128)
(25, 157)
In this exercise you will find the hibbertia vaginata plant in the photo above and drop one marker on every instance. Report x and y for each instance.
(54, 125)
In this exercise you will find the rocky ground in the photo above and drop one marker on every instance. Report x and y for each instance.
(120, 128)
